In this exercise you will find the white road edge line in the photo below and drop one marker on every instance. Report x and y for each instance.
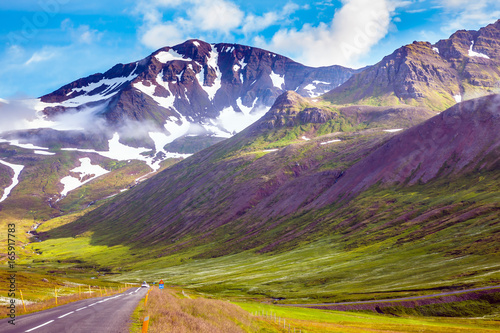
(34, 328)
(137, 289)
(81, 308)
(92, 304)
(64, 315)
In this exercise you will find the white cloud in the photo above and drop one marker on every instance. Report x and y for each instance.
(40, 56)
(353, 31)
(253, 23)
(213, 18)
(258, 23)
(82, 34)
(167, 3)
(216, 15)
(160, 35)
(466, 13)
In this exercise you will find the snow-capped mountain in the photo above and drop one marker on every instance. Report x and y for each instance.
(219, 88)
(160, 109)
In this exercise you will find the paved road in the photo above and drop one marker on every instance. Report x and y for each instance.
(396, 299)
(110, 314)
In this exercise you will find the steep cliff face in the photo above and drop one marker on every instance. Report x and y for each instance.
(436, 76)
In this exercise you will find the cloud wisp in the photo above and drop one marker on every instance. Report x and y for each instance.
(355, 28)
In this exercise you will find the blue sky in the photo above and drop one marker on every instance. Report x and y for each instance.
(48, 43)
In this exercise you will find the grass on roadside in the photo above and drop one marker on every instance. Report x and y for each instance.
(315, 320)
(169, 313)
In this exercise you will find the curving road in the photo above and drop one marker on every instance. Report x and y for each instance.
(110, 314)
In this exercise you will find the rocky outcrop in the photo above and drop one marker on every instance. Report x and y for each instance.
(291, 109)
(435, 76)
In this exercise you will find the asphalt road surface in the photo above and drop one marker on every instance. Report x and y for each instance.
(109, 314)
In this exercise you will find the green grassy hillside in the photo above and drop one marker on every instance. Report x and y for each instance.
(245, 220)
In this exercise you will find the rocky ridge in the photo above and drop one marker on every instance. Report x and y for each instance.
(437, 76)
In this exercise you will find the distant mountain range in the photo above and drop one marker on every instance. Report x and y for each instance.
(464, 66)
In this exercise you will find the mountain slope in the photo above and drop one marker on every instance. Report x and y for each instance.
(464, 139)
(240, 187)
(436, 76)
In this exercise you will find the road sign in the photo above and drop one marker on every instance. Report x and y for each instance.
(161, 285)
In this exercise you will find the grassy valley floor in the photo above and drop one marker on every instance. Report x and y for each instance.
(175, 310)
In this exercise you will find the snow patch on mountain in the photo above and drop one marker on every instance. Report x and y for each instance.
(458, 98)
(245, 109)
(148, 90)
(166, 102)
(476, 54)
(119, 151)
(112, 88)
(24, 145)
(111, 83)
(15, 179)
(310, 87)
(314, 88)
(212, 127)
(42, 152)
(234, 122)
(177, 130)
(166, 56)
(278, 80)
(212, 62)
(85, 169)
(242, 63)
(201, 76)
(393, 130)
(331, 141)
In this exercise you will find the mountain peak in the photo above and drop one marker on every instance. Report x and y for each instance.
(437, 76)
(193, 84)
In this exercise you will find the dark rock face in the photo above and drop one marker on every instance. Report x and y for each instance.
(437, 76)
(315, 116)
(194, 80)
(288, 111)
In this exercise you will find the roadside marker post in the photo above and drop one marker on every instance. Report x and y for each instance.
(145, 324)
(22, 300)
(90, 291)
(55, 292)
(100, 291)
(79, 291)
(146, 299)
